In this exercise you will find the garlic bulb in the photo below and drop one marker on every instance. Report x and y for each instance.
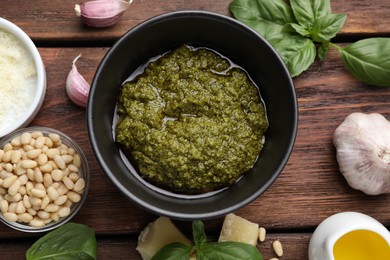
(77, 87)
(102, 13)
(362, 142)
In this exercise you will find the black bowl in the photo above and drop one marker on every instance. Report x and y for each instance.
(228, 37)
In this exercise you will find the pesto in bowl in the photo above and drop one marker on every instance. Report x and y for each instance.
(192, 121)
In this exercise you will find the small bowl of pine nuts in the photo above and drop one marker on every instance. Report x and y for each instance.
(44, 179)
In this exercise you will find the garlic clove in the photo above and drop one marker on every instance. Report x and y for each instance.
(102, 13)
(77, 87)
(363, 152)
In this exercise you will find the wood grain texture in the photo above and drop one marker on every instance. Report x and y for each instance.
(309, 189)
(55, 22)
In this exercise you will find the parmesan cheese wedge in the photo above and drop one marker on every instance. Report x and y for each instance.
(158, 234)
(238, 229)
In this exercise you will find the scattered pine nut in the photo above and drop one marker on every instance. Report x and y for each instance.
(277, 246)
(262, 233)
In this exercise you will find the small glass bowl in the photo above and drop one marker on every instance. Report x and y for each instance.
(83, 172)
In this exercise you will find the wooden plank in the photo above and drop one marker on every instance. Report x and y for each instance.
(309, 189)
(53, 22)
(123, 247)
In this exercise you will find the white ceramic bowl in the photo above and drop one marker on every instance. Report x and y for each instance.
(28, 114)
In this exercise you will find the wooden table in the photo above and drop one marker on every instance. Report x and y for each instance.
(309, 189)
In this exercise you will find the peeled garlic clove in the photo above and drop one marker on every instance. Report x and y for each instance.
(363, 152)
(77, 87)
(101, 13)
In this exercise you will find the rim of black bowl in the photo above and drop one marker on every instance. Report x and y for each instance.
(153, 201)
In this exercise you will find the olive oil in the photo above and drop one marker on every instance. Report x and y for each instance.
(361, 245)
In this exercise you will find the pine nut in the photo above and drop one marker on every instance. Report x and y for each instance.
(20, 208)
(68, 183)
(61, 200)
(10, 216)
(33, 154)
(46, 167)
(38, 176)
(26, 201)
(74, 176)
(43, 214)
(262, 233)
(7, 156)
(59, 161)
(9, 181)
(57, 175)
(47, 180)
(52, 208)
(40, 142)
(4, 206)
(35, 201)
(29, 164)
(38, 193)
(54, 137)
(37, 223)
(79, 185)
(42, 159)
(25, 138)
(51, 152)
(52, 193)
(277, 246)
(16, 156)
(64, 211)
(25, 217)
(14, 188)
(45, 202)
(77, 160)
(73, 196)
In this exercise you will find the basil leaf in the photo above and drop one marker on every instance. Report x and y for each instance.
(173, 251)
(229, 251)
(271, 11)
(300, 29)
(323, 50)
(198, 234)
(308, 11)
(70, 241)
(326, 27)
(297, 52)
(368, 60)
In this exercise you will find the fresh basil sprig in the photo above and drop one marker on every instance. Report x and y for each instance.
(207, 251)
(68, 242)
(294, 31)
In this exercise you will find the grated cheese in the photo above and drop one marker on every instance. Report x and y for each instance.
(18, 79)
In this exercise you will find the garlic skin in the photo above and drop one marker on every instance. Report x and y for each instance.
(362, 142)
(77, 87)
(102, 13)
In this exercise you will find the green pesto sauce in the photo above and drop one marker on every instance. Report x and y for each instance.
(191, 121)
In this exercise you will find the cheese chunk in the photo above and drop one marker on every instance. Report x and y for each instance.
(158, 234)
(238, 229)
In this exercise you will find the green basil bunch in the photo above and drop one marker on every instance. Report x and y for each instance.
(207, 251)
(296, 29)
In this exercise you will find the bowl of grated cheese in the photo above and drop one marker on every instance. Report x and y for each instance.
(22, 78)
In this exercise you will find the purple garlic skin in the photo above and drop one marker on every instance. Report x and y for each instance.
(77, 87)
(362, 142)
(101, 13)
